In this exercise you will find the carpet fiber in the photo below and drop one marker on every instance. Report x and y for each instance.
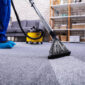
(28, 65)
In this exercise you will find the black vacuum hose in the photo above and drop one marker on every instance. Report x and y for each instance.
(19, 22)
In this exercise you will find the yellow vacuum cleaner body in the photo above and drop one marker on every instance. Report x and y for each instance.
(34, 37)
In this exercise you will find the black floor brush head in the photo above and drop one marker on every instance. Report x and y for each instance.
(58, 50)
(59, 55)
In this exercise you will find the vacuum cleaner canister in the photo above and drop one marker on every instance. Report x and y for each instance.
(35, 36)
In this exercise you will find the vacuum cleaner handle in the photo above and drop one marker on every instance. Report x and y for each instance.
(31, 1)
(47, 26)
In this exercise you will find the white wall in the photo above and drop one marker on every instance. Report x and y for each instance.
(26, 12)
(83, 0)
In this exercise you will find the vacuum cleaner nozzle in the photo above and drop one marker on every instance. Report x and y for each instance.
(58, 50)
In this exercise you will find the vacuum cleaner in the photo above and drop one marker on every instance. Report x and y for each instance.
(35, 36)
(58, 49)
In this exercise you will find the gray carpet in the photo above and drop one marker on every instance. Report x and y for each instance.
(28, 65)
